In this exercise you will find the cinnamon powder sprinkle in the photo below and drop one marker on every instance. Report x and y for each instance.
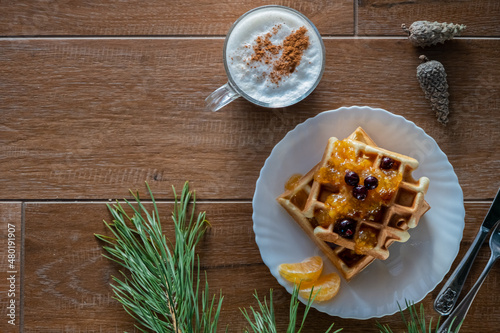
(264, 49)
(292, 49)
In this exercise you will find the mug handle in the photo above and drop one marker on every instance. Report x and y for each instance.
(221, 97)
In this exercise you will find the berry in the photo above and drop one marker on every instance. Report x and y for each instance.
(351, 178)
(386, 163)
(360, 192)
(371, 182)
(345, 228)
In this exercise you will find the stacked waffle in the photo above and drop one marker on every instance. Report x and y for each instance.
(354, 224)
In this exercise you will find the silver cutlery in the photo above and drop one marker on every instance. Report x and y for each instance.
(459, 313)
(448, 296)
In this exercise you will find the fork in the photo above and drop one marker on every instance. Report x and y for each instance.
(458, 314)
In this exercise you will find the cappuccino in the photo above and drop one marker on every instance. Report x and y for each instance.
(274, 56)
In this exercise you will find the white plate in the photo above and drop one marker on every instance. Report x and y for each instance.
(413, 268)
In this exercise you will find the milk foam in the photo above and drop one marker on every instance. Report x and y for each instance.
(255, 82)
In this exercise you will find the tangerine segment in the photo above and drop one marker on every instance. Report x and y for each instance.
(306, 271)
(325, 288)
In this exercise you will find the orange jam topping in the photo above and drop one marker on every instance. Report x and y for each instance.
(366, 239)
(299, 199)
(340, 202)
(293, 181)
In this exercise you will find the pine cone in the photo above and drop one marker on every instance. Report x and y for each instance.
(432, 78)
(425, 33)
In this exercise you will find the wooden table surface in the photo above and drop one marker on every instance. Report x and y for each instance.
(97, 97)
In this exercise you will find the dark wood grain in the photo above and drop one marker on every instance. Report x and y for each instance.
(135, 18)
(384, 17)
(67, 280)
(88, 119)
(10, 266)
(97, 97)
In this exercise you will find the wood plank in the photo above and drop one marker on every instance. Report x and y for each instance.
(384, 17)
(66, 284)
(156, 18)
(89, 119)
(10, 266)
(66, 273)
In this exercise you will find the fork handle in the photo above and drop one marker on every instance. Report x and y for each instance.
(458, 315)
(448, 295)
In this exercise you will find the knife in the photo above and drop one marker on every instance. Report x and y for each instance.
(448, 296)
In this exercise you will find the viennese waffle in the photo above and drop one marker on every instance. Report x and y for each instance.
(401, 212)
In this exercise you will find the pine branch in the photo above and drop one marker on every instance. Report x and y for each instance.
(416, 322)
(160, 287)
(263, 320)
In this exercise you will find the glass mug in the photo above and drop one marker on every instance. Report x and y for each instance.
(250, 63)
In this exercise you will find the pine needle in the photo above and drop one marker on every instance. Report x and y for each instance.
(160, 285)
(263, 319)
(416, 322)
